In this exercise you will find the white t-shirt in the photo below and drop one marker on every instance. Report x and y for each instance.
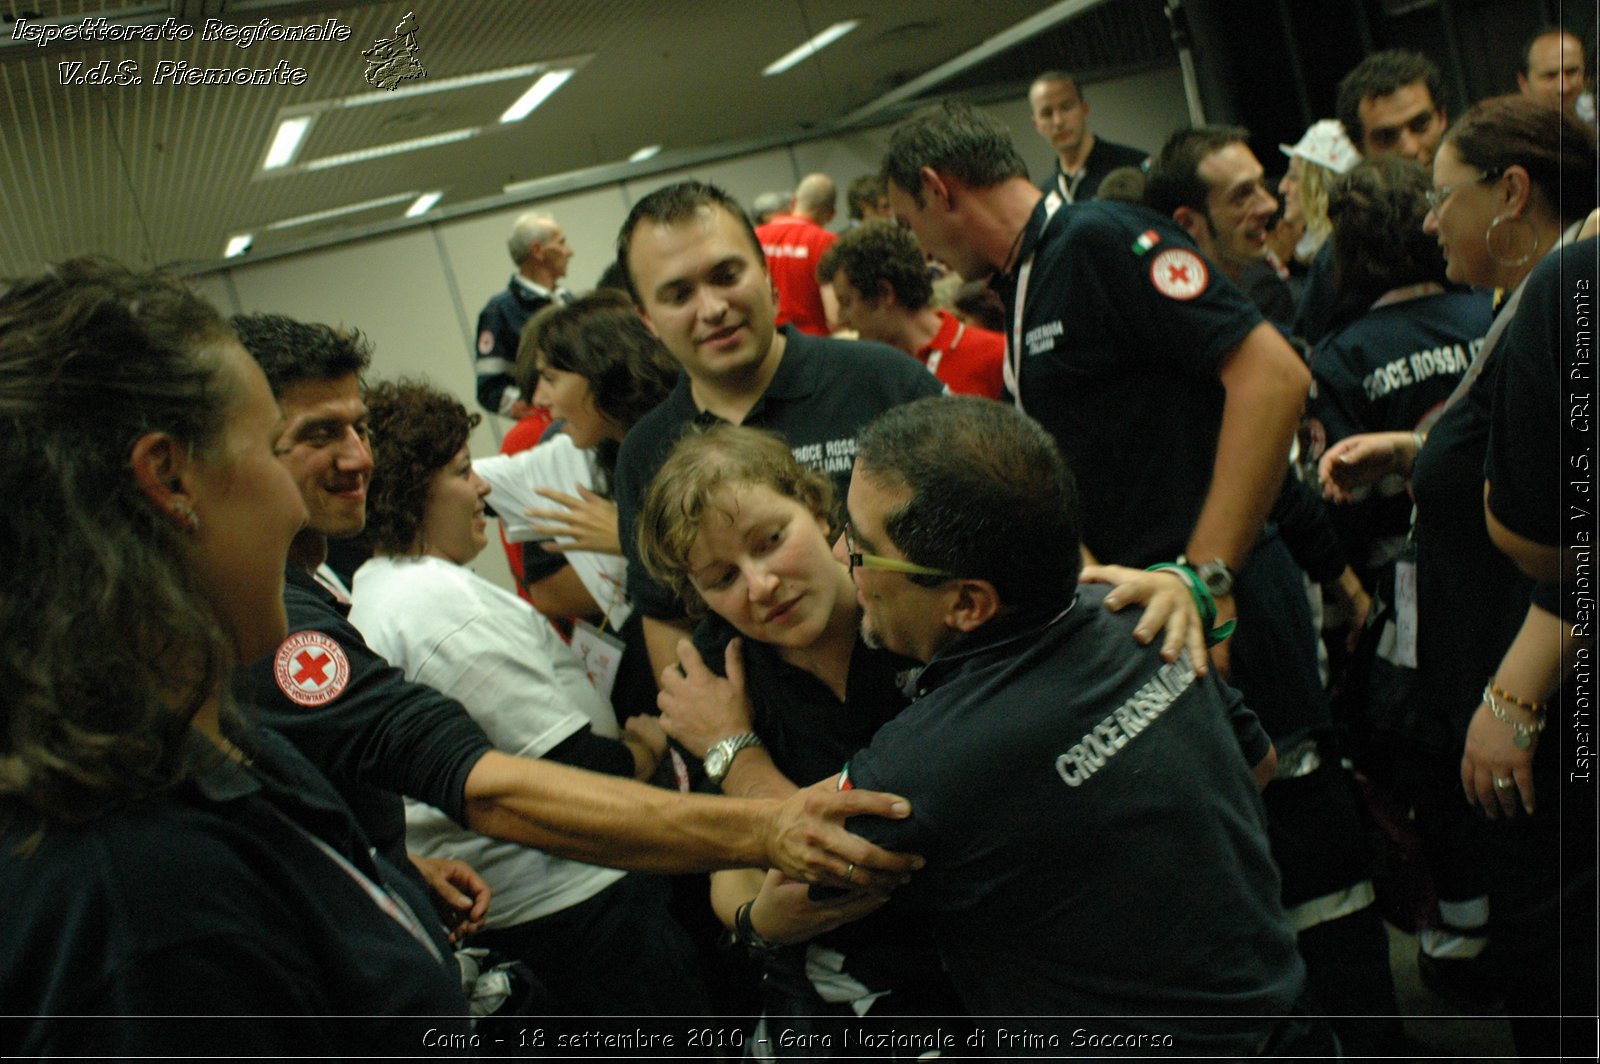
(558, 464)
(445, 626)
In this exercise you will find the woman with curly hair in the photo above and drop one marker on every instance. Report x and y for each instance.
(160, 855)
(601, 940)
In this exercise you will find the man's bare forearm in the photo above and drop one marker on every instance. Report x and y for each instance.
(607, 820)
(1266, 388)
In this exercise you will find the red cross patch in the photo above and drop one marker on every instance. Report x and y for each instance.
(311, 668)
(1179, 273)
(485, 342)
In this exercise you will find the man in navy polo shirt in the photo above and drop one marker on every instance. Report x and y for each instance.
(1097, 855)
(696, 271)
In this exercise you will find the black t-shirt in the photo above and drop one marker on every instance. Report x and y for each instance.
(372, 732)
(1387, 371)
(1124, 328)
(1471, 599)
(824, 392)
(205, 917)
(1546, 353)
(1095, 843)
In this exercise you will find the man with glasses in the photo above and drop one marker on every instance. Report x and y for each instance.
(1096, 848)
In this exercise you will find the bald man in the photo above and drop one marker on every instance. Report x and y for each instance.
(793, 244)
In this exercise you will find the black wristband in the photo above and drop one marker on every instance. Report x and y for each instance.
(745, 933)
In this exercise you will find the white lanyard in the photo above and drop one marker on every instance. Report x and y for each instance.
(393, 907)
(1012, 368)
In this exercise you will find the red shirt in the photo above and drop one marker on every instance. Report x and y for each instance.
(793, 246)
(968, 359)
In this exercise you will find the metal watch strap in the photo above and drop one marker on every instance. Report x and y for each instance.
(729, 748)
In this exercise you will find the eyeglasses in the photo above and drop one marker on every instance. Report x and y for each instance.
(1436, 196)
(862, 560)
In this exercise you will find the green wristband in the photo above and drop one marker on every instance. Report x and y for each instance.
(1204, 603)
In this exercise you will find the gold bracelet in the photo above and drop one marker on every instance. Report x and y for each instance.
(1525, 733)
(1532, 707)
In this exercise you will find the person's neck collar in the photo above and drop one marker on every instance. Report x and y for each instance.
(309, 549)
(534, 275)
(921, 326)
(731, 399)
(1085, 146)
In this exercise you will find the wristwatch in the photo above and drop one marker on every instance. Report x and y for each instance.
(1215, 574)
(719, 759)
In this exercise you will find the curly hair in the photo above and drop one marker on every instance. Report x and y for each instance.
(1556, 149)
(416, 430)
(1378, 243)
(290, 351)
(701, 465)
(877, 251)
(112, 645)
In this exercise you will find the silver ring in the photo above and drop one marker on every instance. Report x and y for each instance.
(1504, 783)
(850, 873)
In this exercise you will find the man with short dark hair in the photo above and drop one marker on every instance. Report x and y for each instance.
(696, 271)
(1086, 807)
(866, 199)
(1061, 117)
(1391, 104)
(1209, 181)
(794, 243)
(376, 735)
(881, 281)
(539, 249)
(1553, 68)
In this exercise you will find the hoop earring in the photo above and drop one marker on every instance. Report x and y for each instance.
(186, 516)
(1526, 257)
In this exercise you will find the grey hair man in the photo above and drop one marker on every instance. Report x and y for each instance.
(539, 249)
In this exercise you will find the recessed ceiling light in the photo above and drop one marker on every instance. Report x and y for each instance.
(397, 148)
(647, 152)
(812, 47)
(335, 212)
(424, 204)
(537, 93)
(237, 245)
(286, 141)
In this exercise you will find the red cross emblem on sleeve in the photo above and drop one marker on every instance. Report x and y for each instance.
(1179, 273)
(311, 668)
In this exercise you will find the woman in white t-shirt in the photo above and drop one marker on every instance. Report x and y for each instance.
(600, 940)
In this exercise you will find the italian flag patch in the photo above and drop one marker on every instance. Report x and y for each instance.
(1147, 240)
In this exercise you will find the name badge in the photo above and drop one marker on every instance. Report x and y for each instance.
(600, 654)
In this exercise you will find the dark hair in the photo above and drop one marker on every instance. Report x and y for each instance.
(1377, 211)
(292, 351)
(878, 251)
(702, 463)
(111, 643)
(1174, 179)
(1380, 74)
(1549, 31)
(1556, 149)
(613, 277)
(954, 138)
(673, 205)
(602, 339)
(865, 191)
(991, 496)
(416, 430)
(978, 301)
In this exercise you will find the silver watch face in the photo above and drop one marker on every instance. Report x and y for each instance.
(717, 762)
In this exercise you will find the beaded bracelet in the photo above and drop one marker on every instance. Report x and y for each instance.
(1205, 605)
(1525, 733)
(1532, 707)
